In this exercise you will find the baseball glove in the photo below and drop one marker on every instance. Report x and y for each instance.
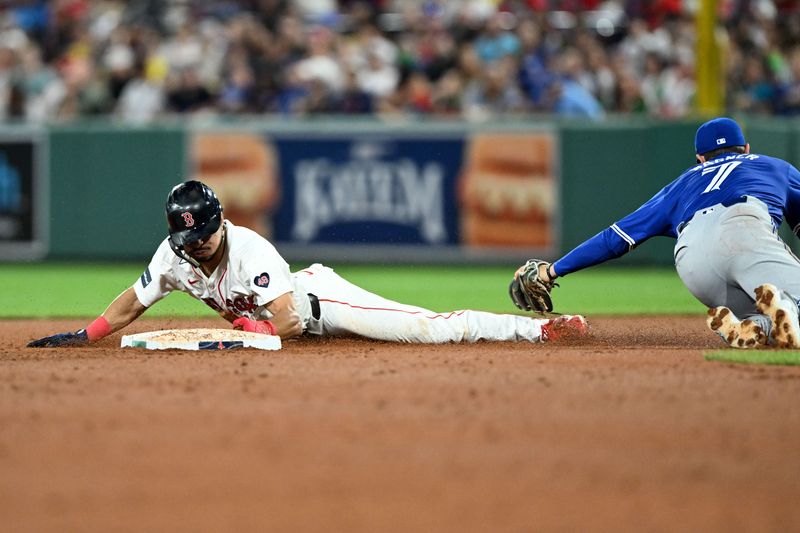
(529, 291)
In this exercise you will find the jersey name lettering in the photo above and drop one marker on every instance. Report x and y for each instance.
(713, 162)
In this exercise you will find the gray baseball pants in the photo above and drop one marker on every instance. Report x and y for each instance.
(724, 253)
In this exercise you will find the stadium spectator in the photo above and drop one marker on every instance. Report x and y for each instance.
(496, 41)
(789, 101)
(321, 62)
(8, 61)
(377, 77)
(754, 92)
(186, 92)
(39, 85)
(446, 94)
(143, 98)
(354, 100)
(478, 58)
(418, 94)
(572, 98)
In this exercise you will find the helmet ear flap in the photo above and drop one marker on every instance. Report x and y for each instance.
(179, 251)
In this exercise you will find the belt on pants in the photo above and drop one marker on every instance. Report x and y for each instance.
(733, 201)
(316, 312)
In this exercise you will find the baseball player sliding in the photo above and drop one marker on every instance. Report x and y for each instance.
(243, 277)
(724, 212)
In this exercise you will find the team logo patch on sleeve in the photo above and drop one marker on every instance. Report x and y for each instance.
(146, 277)
(262, 280)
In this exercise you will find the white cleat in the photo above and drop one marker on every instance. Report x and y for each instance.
(783, 312)
(564, 327)
(737, 333)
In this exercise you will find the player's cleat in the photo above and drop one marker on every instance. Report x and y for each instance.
(737, 333)
(783, 312)
(564, 327)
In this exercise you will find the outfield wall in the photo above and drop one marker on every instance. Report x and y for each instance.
(342, 191)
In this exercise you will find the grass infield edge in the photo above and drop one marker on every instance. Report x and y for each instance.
(755, 357)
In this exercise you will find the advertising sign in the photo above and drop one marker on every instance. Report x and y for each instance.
(412, 196)
(368, 190)
(22, 217)
(509, 191)
(241, 167)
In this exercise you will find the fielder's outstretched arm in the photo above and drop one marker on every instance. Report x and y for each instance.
(530, 287)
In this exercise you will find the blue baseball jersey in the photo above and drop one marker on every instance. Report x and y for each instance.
(725, 180)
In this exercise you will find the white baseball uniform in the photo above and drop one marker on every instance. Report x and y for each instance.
(252, 274)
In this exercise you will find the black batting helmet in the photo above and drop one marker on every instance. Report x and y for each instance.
(193, 213)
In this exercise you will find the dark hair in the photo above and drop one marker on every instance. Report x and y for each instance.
(718, 151)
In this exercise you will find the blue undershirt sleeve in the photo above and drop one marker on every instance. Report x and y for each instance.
(652, 218)
(600, 248)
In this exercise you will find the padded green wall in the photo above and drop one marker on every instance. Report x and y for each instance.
(107, 182)
(608, 170)
(106, 189)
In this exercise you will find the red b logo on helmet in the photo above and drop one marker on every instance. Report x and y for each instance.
(187, 217)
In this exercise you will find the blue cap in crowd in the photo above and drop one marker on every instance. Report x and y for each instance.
(718, 133)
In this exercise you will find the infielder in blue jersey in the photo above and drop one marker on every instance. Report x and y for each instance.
(724, 213)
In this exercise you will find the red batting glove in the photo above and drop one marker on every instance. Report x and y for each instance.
(254, 326)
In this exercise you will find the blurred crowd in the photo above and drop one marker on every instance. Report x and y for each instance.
(145, 59)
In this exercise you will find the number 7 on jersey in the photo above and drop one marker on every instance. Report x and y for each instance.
(723, 171)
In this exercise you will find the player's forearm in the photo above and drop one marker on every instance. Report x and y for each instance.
(600, 248)
(285, 318)
(123, 310)
(285, 321)
(287, 324)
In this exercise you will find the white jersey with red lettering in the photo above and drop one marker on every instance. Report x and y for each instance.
(252, 274)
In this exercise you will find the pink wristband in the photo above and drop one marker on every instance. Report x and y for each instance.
(270, 326)
(98, 329)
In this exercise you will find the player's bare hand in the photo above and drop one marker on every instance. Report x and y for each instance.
(77, 338)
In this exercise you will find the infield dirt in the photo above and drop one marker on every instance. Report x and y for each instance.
(628, 429)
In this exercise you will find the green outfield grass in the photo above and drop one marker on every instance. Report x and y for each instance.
(84, 290)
